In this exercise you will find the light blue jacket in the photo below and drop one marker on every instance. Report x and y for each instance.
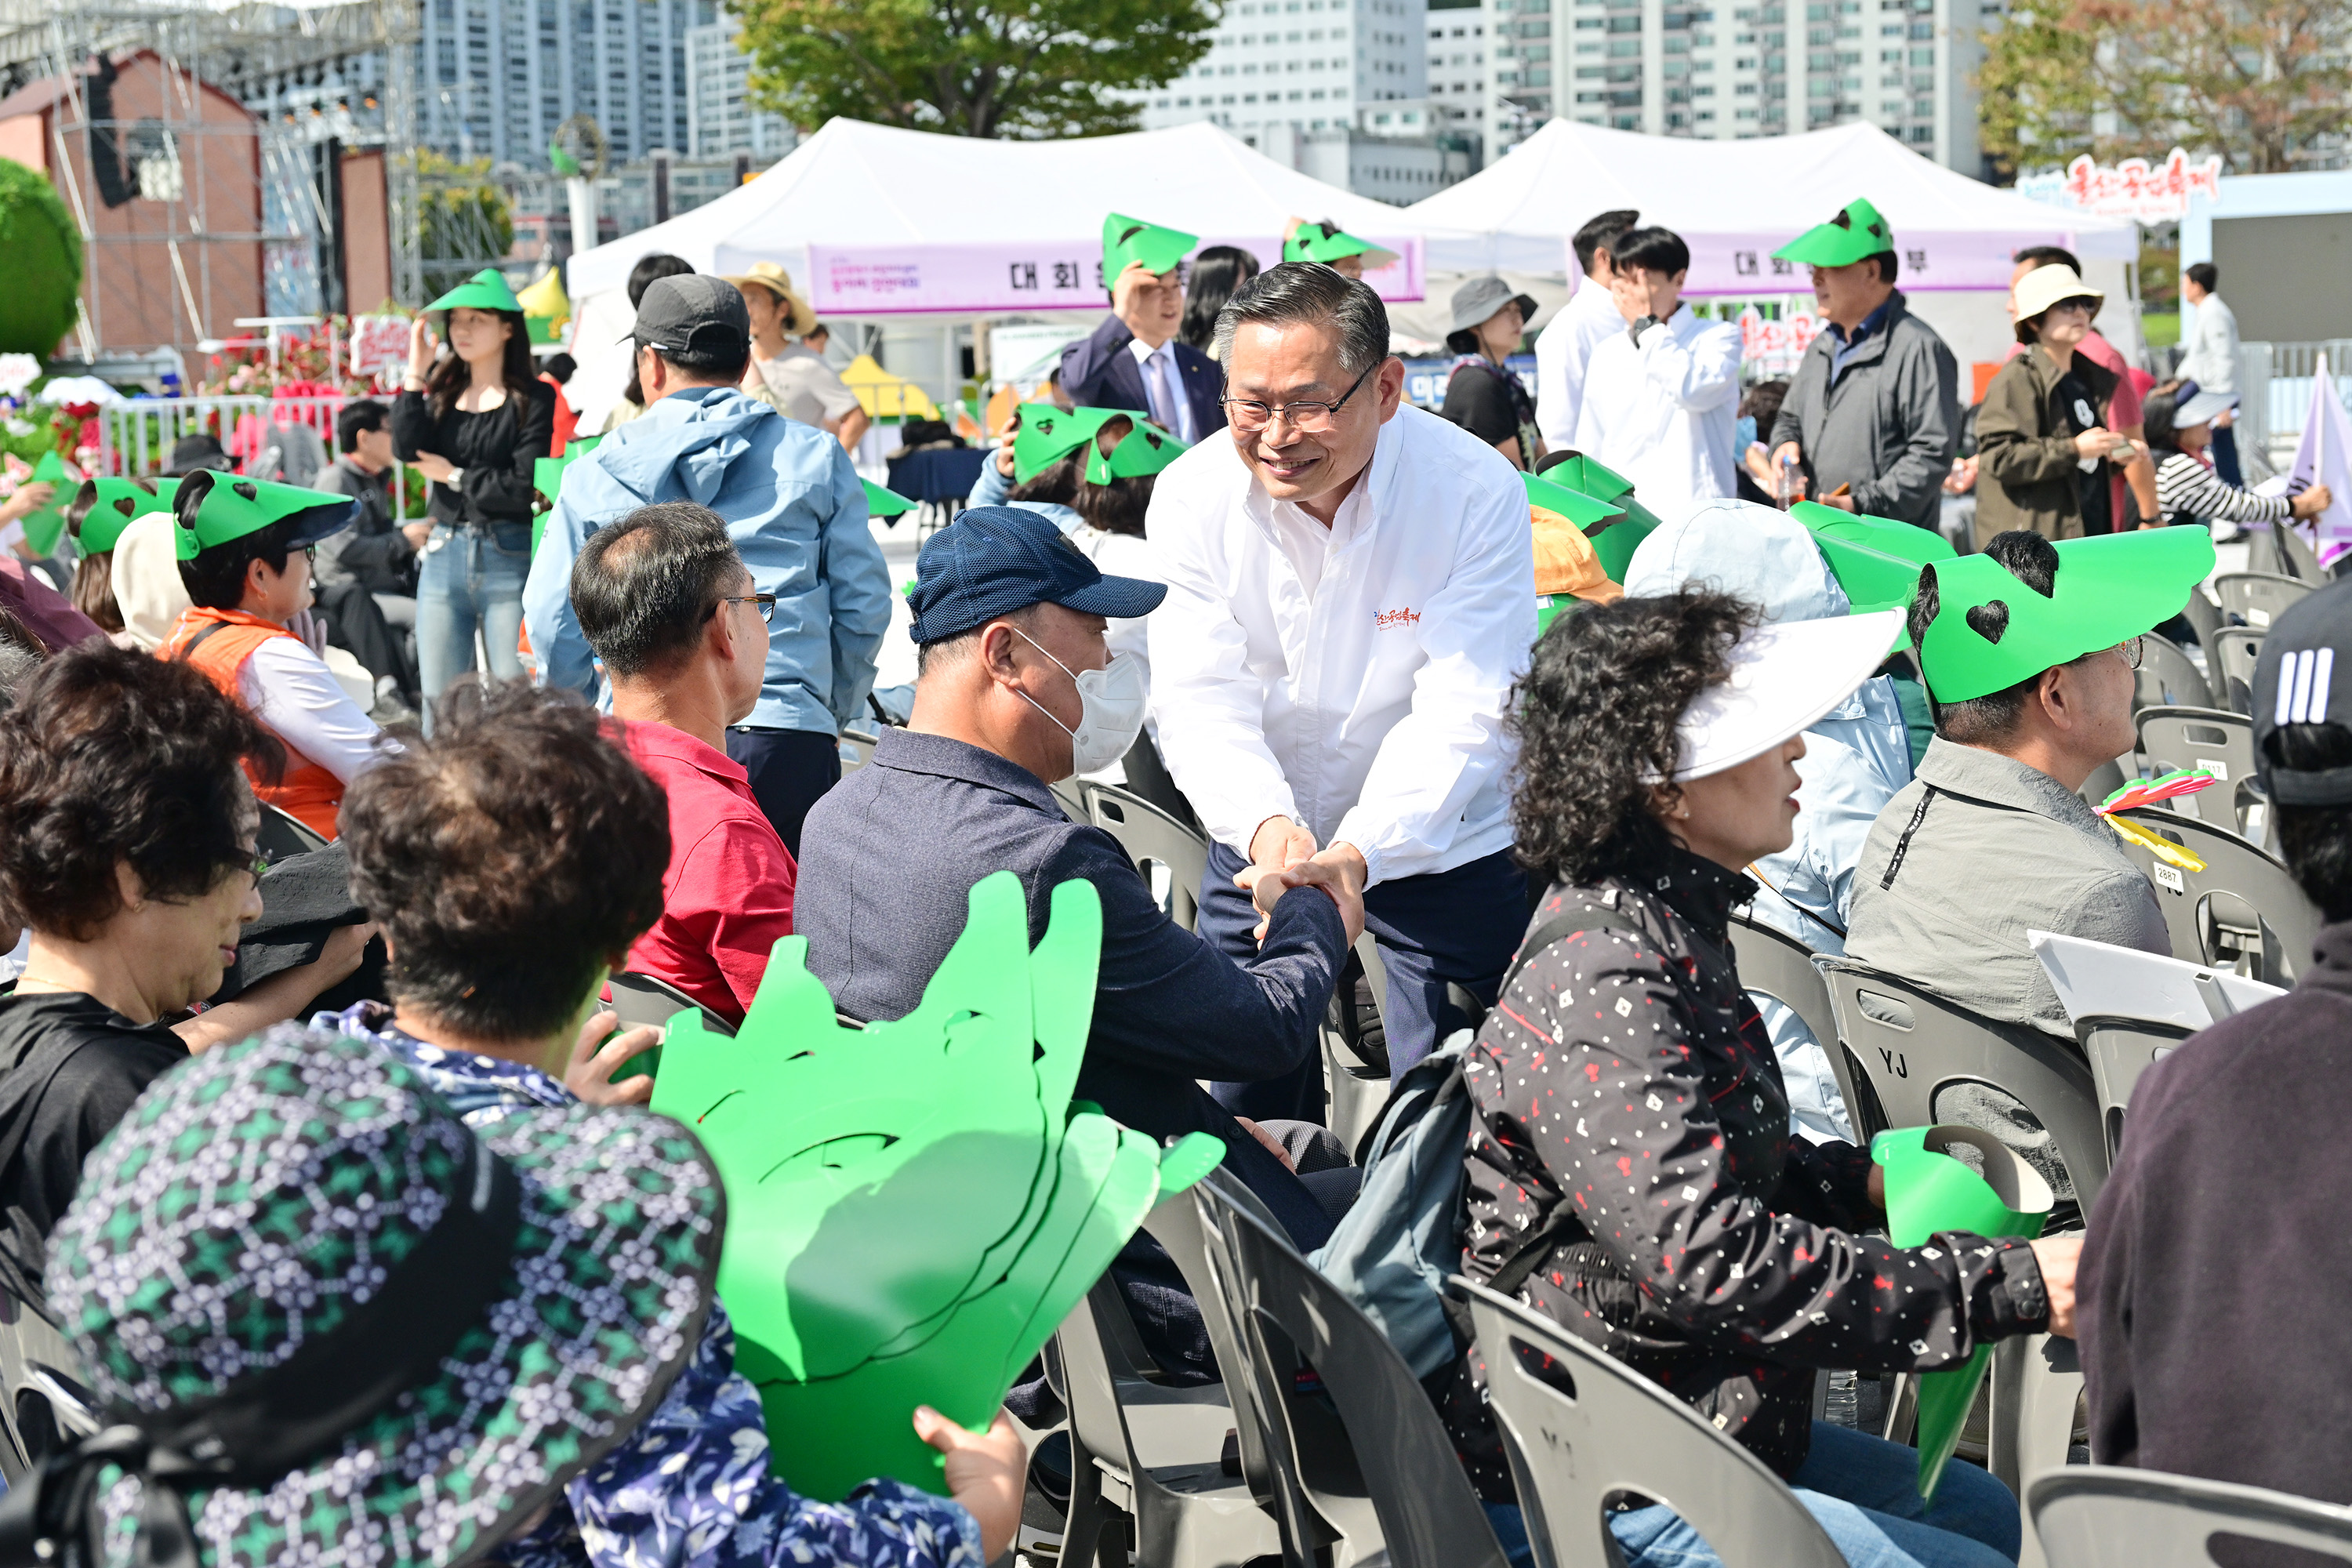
(797, 514)
(1857, 756)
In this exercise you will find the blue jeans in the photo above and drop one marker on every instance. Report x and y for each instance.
(470, 578)
(1861, 1488)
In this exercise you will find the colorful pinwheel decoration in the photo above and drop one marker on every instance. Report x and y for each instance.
(914, 1206)
(2149, 791)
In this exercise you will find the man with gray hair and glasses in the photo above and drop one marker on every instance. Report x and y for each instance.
(1350, 600)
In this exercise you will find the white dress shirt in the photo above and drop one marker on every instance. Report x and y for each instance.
(1563, 350)
(2211, 360)
(1363, 695)
(1163, 388)
(1665, 414)
(290, 690)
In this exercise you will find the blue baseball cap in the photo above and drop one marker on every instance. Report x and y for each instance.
(994, 560)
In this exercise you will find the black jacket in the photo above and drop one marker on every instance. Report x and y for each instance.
(2214, 1282)
(1098, 370)
(497, 451)
(1713, 1250)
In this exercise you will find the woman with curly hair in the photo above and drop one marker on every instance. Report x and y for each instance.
(1633, 1174)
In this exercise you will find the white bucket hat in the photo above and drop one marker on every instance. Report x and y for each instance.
(2047, 286)
(1784, 678)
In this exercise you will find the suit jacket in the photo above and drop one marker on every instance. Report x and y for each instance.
(1099, 372)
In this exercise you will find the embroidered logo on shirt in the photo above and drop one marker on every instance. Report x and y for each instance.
(1383, 619)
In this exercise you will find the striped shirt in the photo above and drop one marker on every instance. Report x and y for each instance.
(2187, 488)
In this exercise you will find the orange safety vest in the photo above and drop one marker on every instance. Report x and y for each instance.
(218, 642)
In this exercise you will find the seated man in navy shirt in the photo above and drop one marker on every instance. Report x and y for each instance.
(1016, 689)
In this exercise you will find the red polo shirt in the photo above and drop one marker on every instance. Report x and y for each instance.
(728, 894)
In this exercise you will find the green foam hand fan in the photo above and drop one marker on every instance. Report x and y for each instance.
(45, 526)
(1929, 1190)
(913, 1207)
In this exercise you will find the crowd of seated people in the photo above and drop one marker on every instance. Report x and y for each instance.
(1654, 1164)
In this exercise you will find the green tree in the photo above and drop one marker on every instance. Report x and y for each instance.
(2265, 83)
(1015, 68)
(44, 252)
(465, 221)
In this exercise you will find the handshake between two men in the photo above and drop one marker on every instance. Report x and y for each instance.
(1283, 856)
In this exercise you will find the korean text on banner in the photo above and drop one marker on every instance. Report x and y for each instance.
(881, 281)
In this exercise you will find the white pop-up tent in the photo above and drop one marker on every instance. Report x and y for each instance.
(1736, 202)
(875, 223)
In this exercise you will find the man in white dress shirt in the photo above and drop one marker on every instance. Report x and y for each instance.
(1565, 346)
(2211, 360)
(1662, 394)
(1350, 599)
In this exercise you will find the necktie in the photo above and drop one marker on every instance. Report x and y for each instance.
(1168, 407)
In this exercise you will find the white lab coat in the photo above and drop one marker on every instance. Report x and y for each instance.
(1665, 414)
(1370, 708)
(1563, 349)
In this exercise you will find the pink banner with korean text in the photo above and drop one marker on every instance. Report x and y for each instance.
(974, 280)
(1977, 258)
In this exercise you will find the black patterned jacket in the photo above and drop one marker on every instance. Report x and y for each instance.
(1713, 1249)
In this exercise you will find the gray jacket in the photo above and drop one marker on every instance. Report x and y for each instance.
(1886, 425)
(1991, 849)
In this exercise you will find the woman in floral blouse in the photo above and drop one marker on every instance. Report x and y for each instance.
(1626, 1094)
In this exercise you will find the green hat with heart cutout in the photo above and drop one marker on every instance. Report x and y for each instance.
(882, 502)
(1049, 433)
(1327, 242)
(1127, 239)
(117, 500)
(212, 510)
(1615, 539)
(1856, 233)
(1579, 508)
(485, 290)
(1992, 630)
(1876, 559)
(1141, 452)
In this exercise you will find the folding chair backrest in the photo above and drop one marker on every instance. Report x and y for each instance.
(2168, 677)
(2204, 616)
(2120, 1051)
(1581, 1430)
(2100, 1516)
(2217, 740)
(49, 1403)
(1355, 1067)
(1150, 836)
(2243, 904)
(640, 999)
(1072, 795)
(2260, 598)
(2294, 555)
(1776, 965)
(2235, 650)
(1367, 1449)
(856, 750)
(1911, 1045)
(1175, 1223)
(283, 834)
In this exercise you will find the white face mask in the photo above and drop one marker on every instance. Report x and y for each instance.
(1111, 703)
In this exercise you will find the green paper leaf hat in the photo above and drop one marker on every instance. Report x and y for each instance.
(485, 290)
(1141, 452)
(1127, 239)
(1579, 508)
(2106, 589)
(1049, 433)
(1856, 233)
(1613, 539)
(881, 502)
(1876, 559)
(118, 501)
(215, 509)
(1327, 242)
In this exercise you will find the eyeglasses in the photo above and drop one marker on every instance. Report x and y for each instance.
(1250, 417)
(2130, 648)
(767, 603)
